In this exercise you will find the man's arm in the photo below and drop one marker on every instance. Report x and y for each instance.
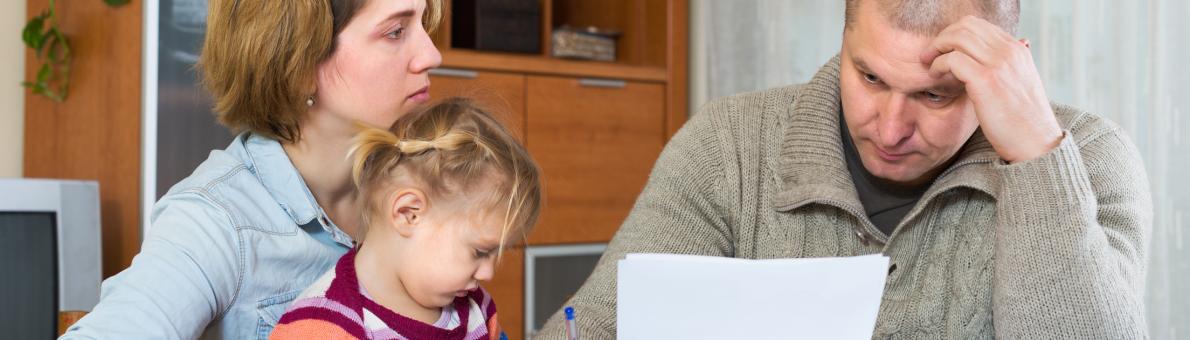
(184, 277)
(1071, 239)
(1074, 212)
(678, 212)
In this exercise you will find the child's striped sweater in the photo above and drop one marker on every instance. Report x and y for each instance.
(337, 307)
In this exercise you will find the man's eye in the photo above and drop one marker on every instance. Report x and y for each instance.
(871, 79)
(934, 97)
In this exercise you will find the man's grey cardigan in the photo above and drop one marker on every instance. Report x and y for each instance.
(1052, 248)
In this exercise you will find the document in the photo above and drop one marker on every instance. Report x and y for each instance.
(666, 296)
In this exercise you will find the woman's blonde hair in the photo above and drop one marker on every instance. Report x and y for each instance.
(259, 57)
(449, 148)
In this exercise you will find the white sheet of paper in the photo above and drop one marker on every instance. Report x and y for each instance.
(665, 296)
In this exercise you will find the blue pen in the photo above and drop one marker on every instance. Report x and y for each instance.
(571, 328)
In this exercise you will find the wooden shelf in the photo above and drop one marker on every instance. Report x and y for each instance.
(541, 65)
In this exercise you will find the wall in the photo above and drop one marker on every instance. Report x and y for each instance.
(12, 98)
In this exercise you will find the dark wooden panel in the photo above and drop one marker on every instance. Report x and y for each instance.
(187, 130)
(95, 134)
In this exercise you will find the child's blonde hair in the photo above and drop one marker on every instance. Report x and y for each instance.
(450, 147)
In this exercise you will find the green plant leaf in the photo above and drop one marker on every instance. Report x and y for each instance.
(52, 49)
(32, 33)
(55, 46)
(49, 42)
(44, 74)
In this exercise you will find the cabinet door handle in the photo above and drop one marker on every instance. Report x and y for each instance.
(453, 72)
(605, 83)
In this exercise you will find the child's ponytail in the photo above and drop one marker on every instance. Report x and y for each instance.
(374, 151)
(450, 147)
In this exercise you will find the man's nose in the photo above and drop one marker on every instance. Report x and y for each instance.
(895, 123)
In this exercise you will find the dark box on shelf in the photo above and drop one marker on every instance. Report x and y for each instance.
(496, 25)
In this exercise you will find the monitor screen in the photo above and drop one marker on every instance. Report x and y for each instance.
(28, 275)
(558, 278)
(552, 275)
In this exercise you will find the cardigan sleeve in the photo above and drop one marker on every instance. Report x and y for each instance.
(1071, 238)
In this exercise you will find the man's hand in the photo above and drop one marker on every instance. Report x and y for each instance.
(1003, 84)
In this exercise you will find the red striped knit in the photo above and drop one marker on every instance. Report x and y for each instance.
(336, 307)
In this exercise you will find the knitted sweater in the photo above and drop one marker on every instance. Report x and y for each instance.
(336, 307)
(1051, 248)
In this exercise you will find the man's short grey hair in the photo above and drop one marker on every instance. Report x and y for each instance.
(929, 17)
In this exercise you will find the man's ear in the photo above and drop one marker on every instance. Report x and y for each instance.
(407, 209)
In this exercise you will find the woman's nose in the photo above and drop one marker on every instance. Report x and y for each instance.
(425, 56)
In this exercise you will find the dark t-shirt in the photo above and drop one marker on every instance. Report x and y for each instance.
(885, 203)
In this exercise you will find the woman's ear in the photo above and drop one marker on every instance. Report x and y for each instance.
(407, 210)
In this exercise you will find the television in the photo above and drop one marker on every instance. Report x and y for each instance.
(49, 253)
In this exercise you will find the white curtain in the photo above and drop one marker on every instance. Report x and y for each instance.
(1126, 60)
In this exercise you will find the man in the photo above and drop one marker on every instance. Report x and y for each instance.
(929, 139)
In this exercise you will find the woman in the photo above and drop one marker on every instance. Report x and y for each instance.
(231, 245)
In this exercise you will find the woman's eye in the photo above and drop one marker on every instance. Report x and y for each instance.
(871, 79)
(395, 34)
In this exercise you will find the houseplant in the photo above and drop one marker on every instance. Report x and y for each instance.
(52, 50)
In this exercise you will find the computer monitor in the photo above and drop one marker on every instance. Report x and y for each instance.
(552, 275)
(49, 253)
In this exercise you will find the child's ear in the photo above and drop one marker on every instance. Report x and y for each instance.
(407, 210)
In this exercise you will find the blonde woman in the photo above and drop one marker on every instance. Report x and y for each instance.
(232, 244)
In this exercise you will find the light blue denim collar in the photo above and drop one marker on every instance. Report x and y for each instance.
(272, 167)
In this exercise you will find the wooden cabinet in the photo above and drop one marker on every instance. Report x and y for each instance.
(596, 141)
(595, 128)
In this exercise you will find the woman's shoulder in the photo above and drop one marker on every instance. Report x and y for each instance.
(226, 184)
(221, 166)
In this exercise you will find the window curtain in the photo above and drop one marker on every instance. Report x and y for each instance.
(1124, 60)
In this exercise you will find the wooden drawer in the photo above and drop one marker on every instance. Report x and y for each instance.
(503, 94)
(596, 142)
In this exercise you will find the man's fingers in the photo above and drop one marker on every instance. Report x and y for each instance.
(974, 36)
(956, 64)
(961, 41)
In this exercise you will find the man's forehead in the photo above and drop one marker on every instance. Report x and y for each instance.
(907, 76)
